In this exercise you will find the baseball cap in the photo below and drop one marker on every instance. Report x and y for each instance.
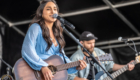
(86, 35)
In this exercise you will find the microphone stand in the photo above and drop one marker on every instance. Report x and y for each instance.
(77, 41)
(93, 70)
(7, 76)
(135, 50)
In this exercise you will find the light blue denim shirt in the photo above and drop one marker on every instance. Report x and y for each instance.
(78, 55)
(34, 49)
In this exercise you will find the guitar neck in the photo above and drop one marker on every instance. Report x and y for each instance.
(70, 65)
(106, 57)
(120, 71)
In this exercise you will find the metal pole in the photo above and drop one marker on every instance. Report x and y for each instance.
(115, 41)
(105, 47)
(93, 9)
(105, 43)
(85, 11)
(12, 25)
(70, 14)
(0, 51)
(117, 46)
(122, 17)
(21, 22)
(18, 30)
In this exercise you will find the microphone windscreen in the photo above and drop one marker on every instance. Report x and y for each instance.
(55, 15)
(120, 39)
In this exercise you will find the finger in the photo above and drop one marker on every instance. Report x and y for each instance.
(85, 66)
(44, 77)
(51, 73)
(47, 77)
(50, 76)
(80, 62)
(131, 61)
(84, 63)
(80, 65)
(131, 67)
(84, 58)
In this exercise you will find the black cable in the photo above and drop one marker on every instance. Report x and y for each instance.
(134, 46)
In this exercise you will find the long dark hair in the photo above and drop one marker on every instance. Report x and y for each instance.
(57, 29)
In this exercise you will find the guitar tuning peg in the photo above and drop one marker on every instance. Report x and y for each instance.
(103, 62)
(102, 54)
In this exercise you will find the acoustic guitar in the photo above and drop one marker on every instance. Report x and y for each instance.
(22, 71)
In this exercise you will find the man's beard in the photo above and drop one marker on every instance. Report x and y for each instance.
(89, 50)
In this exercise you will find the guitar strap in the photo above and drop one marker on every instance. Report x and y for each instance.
(94, 53)
(64, 58)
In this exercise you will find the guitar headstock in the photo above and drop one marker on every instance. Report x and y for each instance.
(106, 57)
(138, 59)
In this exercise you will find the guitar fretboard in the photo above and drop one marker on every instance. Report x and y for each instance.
(70, 65)
(120, 71)
(77, 63)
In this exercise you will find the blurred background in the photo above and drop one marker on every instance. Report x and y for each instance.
(106, 19)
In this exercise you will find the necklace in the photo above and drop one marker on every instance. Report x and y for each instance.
(51, 38)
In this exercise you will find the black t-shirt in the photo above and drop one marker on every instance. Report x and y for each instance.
(90, 72)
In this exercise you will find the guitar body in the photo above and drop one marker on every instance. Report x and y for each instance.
(98, 75)
(23, 71)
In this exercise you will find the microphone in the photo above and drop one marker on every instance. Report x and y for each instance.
(124, 40)
(63, 21)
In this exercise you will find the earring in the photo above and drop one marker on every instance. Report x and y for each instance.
(40, 15)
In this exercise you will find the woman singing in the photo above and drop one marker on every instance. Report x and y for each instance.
(44, 38)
